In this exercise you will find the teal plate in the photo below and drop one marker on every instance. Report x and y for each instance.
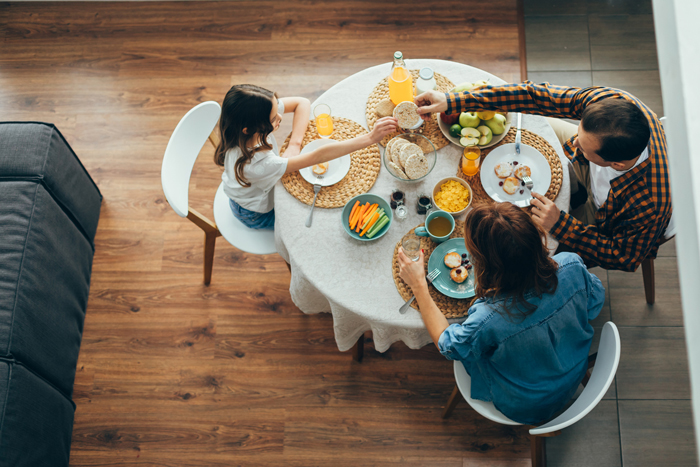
(443, 283)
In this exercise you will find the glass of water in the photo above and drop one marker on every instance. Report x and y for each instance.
(411, 246)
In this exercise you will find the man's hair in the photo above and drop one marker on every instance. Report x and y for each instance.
(620, 125)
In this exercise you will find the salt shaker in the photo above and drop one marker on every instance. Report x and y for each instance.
(426, 80)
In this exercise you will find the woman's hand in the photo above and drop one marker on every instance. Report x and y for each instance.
(412, 272)
(293, 149)
(383, 127)
(430, 102)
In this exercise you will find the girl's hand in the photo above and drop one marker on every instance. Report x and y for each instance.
(383, 127)
(292, 150)
(412, 272)
(430, 102)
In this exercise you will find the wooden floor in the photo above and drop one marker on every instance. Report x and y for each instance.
(173, 373)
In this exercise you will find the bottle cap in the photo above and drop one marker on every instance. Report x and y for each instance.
(398, 55)
(426, 73)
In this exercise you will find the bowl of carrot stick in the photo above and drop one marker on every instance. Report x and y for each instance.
(366, 217)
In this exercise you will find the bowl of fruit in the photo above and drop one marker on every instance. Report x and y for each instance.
(483, 128)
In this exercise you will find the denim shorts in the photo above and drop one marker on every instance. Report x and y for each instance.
(252, 219)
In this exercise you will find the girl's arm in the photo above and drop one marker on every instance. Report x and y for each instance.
(301, 108)
(412, 272)
(383, 127)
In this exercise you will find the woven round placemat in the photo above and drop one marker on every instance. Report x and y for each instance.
(364, 168)
(531, 139)
(429, 129)
(450, 307)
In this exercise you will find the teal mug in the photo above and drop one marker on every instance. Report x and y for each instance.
(425, 231)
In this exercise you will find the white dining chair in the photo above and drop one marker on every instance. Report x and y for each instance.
(606, 362)
(184, 146)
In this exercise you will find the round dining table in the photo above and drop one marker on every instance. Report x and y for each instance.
(332, 272)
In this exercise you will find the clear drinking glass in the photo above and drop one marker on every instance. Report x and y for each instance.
(324, 121)
(411, 246)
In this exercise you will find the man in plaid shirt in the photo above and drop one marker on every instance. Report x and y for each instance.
(618, 155)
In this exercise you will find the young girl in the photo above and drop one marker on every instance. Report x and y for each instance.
(250, 156)
(525, 343)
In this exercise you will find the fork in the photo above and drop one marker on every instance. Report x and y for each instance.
(517, 134)
(430, 278)
(317, 188)
(528, 182)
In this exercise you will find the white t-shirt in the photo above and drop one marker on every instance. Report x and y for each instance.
(602, 176)
(262, 172)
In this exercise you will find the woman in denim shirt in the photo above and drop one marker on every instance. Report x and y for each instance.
(525, 343)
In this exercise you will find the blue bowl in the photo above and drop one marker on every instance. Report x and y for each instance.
(372, 199)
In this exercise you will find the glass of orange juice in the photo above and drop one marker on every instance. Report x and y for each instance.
(324, 122)
(470, 161)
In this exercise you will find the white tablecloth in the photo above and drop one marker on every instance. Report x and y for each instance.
(331, 272)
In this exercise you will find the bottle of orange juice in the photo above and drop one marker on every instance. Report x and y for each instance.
(400, 81)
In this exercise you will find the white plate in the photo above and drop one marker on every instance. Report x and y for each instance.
(337, 168)
(445, 128)
(539, 166)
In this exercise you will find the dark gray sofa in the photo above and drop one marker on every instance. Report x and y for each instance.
(49, 209)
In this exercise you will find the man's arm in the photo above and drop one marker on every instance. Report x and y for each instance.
(539, 99)
(639, 228)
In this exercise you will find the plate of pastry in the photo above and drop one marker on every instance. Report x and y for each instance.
(456, 277)
(326, 173)
(502, 171)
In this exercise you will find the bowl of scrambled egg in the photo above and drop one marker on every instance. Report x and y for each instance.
(452, 194)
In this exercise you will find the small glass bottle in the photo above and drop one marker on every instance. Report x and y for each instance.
(400, 81)
(426, 81)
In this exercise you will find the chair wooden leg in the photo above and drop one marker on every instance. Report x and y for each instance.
(358, 350)
(648, 274)
(452, 402)
(538, 451)
(209, 244)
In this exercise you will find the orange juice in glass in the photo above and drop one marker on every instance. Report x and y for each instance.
(470, 161)
(324, 122)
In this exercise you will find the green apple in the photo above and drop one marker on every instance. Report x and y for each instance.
(470, 137)
(463, 87)
(486, 135)
(469, 119)
(456, 130)
(497, 124)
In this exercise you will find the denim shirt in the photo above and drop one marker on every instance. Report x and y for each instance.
(530, 368)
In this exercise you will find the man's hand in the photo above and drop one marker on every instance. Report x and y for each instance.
(293, 149)
(430, 102)
(383, 127)
(544, 211)
(412, 272)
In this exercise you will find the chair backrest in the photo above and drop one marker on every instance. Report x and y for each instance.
(671, 229)
(601, 379)
(183, 148)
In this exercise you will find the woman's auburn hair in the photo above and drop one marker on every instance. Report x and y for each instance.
(245, 107)
(509, 256)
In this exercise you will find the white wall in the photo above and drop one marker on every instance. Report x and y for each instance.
(678, 45)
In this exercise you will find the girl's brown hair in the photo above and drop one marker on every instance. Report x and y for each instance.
(509, 256)
(248, 107)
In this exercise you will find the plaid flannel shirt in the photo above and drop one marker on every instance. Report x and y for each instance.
(634, 217)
